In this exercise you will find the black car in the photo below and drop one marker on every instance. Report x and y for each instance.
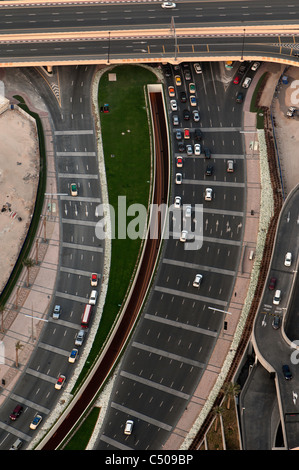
(243, 67)
(209, 170)
(181, 147)
(167, 71)
(207, 152)
(186, 115)
(183, 97)
(276, 322)
(286, 372)
(198, 135)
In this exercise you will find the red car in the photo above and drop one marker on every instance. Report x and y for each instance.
(94, 279)
(179, 162)
(272, 283)
(16, 412)
(237, 79)
(186, 134)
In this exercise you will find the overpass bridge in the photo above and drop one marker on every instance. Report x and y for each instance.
(50, 33)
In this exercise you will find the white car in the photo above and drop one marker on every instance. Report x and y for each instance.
(189, 149)
(255, 66)
(183, 236)
(177, 202)
(188, 211)
(93, 297)
(197, 67)
(197, 149)
(288, 259)
(173, 105)
(197, 280)
(129, 427)
(178, 178)
(246, 82)
(208, 194)
(291, 111)
(277, 297)
(168, 5)
(196, 117)
(56, 312)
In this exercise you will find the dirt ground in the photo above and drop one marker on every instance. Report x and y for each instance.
(19, 169)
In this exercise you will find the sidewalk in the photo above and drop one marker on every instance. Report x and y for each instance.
(21, 331)
(205, 393)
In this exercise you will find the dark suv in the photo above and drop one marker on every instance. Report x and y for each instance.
(16, 412)
(198, 135)
(207, 152)
(240, 97)
(286, 372)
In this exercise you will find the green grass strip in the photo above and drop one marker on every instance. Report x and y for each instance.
(126, 144)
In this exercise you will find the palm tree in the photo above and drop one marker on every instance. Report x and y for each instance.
(217, 411)
(18, 347)
(230, 390)
(28, 263)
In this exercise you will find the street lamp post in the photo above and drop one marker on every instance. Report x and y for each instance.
(222, 311)
(243, 43)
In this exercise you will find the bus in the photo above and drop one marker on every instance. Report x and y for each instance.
(86, 316)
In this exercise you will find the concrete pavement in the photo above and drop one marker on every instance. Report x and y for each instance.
(27, 308)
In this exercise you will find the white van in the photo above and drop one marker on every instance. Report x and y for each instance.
(277, 297)
(230, 166)
(93, 297)
(288, 259)
(79, 338)
(16, 445)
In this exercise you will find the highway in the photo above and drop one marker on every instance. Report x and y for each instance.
(144, 49)
(266, 336)
(273, 346)
(102, 32)
(178, 328)
(148, 15)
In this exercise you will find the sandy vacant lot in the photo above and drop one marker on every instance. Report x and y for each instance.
(19, 169)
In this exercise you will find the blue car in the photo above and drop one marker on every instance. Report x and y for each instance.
(73, 355)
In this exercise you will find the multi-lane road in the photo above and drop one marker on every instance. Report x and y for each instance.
(37, 18)
(180, 323)
(101, 32)
(178, 329)
(80, 251)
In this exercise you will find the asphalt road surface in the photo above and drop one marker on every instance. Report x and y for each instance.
(177, 332)
(80, 253)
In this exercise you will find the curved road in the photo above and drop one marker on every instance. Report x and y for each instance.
(140, 287)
